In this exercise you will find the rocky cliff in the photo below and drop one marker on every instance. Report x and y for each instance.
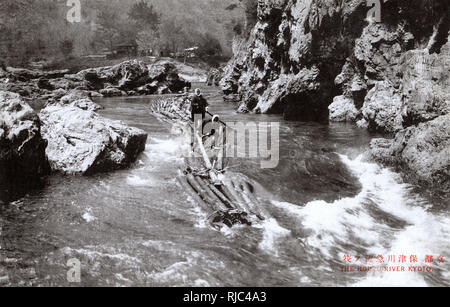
(340, 61)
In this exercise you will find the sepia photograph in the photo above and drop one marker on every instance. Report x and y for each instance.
(205, 145)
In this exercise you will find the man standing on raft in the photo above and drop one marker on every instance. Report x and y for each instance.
(199, 105)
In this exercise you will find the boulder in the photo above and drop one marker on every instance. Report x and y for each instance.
(130, 76)
(55, 95)
(148, 89)
(214, 76)
(82, 142)
(77, 98)
(157, 72)
(112, 92)
(22, 148)
(343, 110)
(426, 85)
(382, 108)
(24, 89)
(424, 151)
(167, 76)
(74, 95)
(45, 84)
(23, 74)
(93, 80)
(65, 84)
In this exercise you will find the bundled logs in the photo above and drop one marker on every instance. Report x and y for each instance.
(227, 201)
(226, 206)
(171, 109)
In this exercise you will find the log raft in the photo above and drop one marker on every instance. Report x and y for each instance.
(227, 201)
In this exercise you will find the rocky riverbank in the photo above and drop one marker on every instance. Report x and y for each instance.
(66, 137)
(64, 133)
(319, 60)
(129, 78)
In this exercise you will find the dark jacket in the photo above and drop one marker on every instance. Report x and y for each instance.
(198, 104)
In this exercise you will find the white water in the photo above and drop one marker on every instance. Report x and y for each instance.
(348, 219)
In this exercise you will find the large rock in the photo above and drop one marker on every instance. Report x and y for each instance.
(66, 84)
(167, 76)
(343, 110)
(77, 98)
(214, 76)
(426, 86)
(382, 109)
(129, 76)
(148, 89)
(22, 148)
(424, 151)
(23, 74)
(112, 92)
(82, 142)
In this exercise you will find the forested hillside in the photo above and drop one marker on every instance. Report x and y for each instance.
(34, 29)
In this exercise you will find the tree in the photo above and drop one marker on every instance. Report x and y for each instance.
(108, 28)
(172, 35)
(144, 16)
(250, 7)
(210, 46)
(66, 47)
(22, 28)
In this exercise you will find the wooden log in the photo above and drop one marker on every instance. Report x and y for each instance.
(219, 164)
(189, 189)
(249, 203)
(253, 198)
(238, 200)
(201, 191)
(252, 202)
(228, 202)
(168, 114)
(208, 164)
(230, 196)
(203, 151)
(219, 205)
(253, 207)
(212, 215)
(236, 189)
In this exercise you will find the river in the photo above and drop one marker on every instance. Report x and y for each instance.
(137, 227)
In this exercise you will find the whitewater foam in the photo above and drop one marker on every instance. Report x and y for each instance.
(88, 217)
(167, 150)
(272, 232)
(138, 181)
(347, 225)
